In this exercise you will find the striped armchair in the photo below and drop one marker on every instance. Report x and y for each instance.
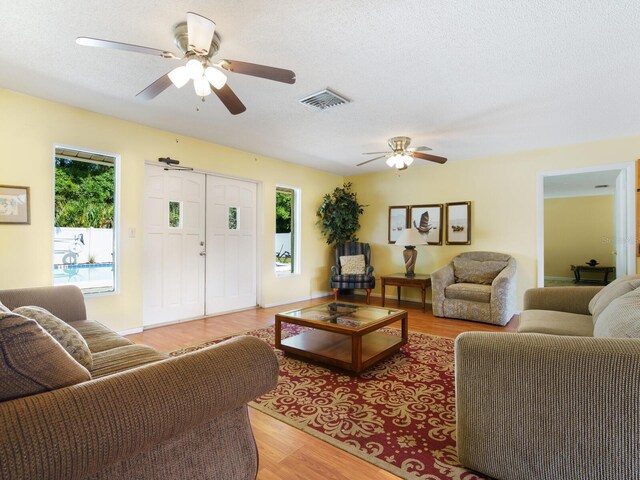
(341, 279)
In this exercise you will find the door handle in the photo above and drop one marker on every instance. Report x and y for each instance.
(203, 253)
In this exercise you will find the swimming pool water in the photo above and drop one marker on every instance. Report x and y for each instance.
(90, 275)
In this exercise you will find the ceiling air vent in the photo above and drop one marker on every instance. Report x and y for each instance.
(324, 99)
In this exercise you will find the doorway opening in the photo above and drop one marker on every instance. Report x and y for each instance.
(586, 225)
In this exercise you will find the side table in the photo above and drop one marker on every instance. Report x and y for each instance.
(579, 269)
(400, 280)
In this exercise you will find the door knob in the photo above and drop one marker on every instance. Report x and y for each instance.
(203, 253)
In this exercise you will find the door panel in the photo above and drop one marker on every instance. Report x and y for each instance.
(231, 249)
(173, 266)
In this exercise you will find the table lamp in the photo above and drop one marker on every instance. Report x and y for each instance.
(409, 238)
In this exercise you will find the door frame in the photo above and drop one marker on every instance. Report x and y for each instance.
(625, 192)
(259, 224)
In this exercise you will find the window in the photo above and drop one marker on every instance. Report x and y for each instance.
(233, 218)
(175, 214)
(287, 230)
(85, 220)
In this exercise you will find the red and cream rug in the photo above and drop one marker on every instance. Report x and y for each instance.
(398, 415)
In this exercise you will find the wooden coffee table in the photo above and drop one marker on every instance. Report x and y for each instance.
(344, 335)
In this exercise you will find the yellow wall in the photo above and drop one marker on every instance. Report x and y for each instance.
(575, 231)
(502, 191)
(29, 129)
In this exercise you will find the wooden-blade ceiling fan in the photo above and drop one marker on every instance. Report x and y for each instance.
(199, 42)
(401, 155)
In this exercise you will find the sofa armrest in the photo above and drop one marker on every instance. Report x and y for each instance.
(76, 431)
(503, 294)
(560, 299)
(440, 279)
(543, 406)
(335, 270)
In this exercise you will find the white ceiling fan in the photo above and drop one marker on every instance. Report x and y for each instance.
(198, 41)
(401, 155)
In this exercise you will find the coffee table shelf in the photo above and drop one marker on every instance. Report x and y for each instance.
(335, 348)
(343, 335)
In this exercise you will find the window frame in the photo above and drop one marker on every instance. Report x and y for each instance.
(295, 230)
(116, 212)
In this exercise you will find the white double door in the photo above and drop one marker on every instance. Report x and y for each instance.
(199, 245)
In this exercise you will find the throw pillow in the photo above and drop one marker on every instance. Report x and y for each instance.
(32, 361)
(352, 265)
(466, 270)
(608, 294)
(621, 318)
(4, 309)
(65, 334)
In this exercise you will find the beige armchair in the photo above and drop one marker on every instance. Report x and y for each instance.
(478, 286)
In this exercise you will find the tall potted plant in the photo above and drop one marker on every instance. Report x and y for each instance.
(339, 215)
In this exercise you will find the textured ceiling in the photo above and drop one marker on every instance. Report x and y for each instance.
(467, 78)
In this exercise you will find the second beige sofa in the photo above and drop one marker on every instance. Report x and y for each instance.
(561, 401)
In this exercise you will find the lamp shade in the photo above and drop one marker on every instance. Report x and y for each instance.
(215, 77)
(179, 76)
(410, 237)
(202, 86)
(195, 68)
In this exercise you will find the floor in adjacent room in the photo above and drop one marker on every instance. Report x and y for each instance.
(286, 452)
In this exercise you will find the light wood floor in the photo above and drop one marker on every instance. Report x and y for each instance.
(285, 452)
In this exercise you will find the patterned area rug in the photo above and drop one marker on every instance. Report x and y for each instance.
(398, 415)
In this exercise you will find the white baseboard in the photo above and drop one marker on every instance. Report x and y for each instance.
(294, 300)
(130, 331)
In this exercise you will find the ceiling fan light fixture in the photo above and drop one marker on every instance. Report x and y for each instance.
(195, 68)
(408, 159)
(391, 161)
(399, 161)
(215, 77)
(202, 86)
(179, 76)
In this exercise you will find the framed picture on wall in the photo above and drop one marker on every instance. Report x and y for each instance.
(427, 219)
(14, 204)
(398, 221)
(459, 223)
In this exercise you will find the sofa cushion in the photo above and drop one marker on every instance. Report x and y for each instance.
(621, 318)
(555, 323)
(469, 291)
(352, 265)
(98, 337)
(32, 361)
(65, 334)
(615, 289)
(474, 271)
(123, 358)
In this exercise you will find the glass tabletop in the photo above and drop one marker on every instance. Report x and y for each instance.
(344, 314)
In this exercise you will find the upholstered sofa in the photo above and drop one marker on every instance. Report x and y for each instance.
(561, 400)
(135, 414)
(478, 286)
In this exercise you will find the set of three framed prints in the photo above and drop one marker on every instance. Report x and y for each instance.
(429, 220)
